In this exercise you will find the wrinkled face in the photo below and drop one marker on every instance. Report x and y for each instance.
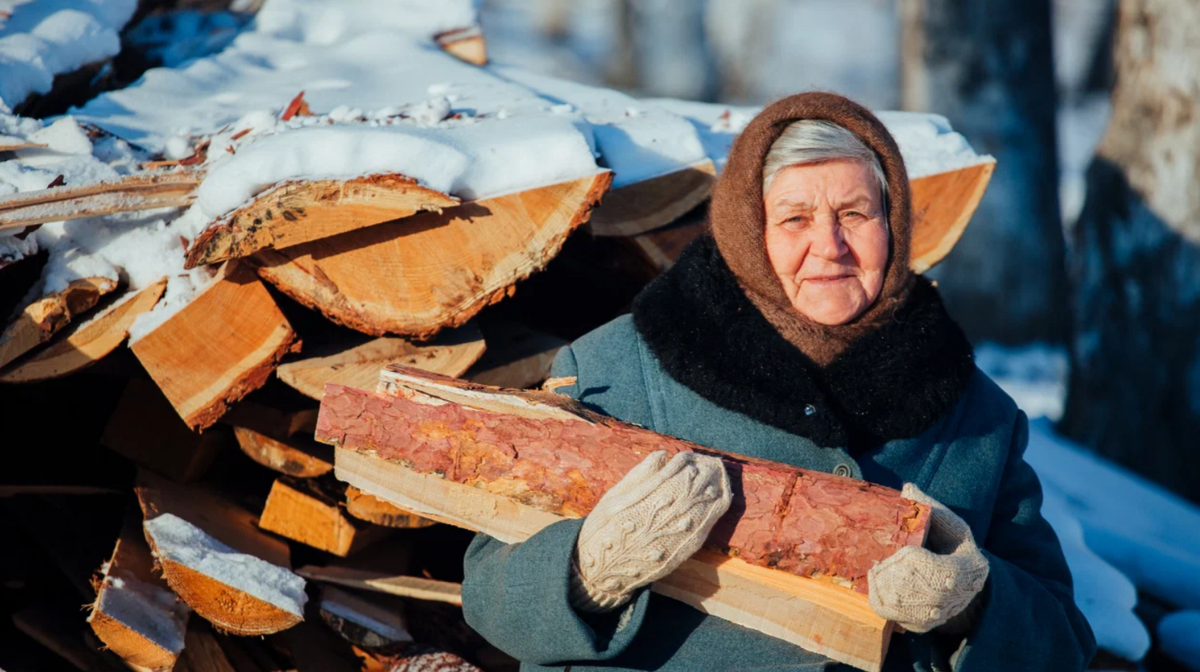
(827, 238)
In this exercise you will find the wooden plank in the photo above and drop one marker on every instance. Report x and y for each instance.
(311, 512)
(644, 206)
(374, 510)
(401, 586)
(146, 429)
(451, 353)
(942, 206)
(135, 613)
(218, 348)
(361, 621)
(214, 556)
(430, 271)
(279, 440)
(143, 191)
(508, 475)
(44, 317)
(73, 350)
(298, 212)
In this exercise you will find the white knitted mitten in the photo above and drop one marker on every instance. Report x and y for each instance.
(645, 526)
(924, 588)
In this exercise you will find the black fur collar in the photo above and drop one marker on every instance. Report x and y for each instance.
(895, 382)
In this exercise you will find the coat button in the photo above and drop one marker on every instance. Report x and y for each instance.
(809, 409)
(842, 470)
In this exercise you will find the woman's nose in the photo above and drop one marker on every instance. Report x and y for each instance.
(828, 242)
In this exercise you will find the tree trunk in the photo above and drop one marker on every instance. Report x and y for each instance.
(1134, 393)
(987, 66)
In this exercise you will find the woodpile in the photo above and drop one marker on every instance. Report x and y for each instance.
(246, 487)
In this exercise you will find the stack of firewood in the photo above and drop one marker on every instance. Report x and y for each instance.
(176, 486)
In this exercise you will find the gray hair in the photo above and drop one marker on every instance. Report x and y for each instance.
(816, 140)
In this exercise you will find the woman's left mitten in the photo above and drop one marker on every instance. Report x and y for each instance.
(925, 588)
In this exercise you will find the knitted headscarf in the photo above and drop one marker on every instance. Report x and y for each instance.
(739, 224)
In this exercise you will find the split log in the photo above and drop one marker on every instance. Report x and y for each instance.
(517, 357)
(88, 343)
(942, 206)
(651, 204)
(218, 561)
(145, 428)
(311, 512)
(136, 192)
(413, 587)
(662, 247)
(298, 212)
(57, 627)
(362, 622)
(48, 315)
(451, 353)
(23, 145)
(465, 44)
(392, 444)
(433, 271)
(135, 613)
(370, 508)
(280, 441)
(218, 348)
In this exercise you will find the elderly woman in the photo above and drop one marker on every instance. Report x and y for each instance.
(794, 332)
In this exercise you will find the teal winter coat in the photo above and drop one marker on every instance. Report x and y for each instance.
(696, 361)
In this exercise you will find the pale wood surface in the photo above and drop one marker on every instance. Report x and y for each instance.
(225, 606)
(280, 440)
(430, 271)
(402, 586)
(374, 510)
(942, 206)
(644, 206)
(71, 351)
(140, 641)
(298, 509)
(44, 317)
(465, 44)
(301, 211)
(136, 192)
(810, 613)
(218, 348)
(450, 354)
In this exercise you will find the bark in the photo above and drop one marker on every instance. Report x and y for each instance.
(987, 66)
(1134, 391)
(562, 459)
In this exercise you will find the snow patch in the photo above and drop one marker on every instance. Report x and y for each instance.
(49, 37)
(149, 610)
(180, 541)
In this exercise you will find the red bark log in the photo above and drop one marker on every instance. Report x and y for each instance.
(805, 522)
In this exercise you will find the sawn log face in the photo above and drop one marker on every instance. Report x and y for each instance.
(807, 523)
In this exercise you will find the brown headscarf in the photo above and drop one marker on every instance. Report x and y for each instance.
(739, 224)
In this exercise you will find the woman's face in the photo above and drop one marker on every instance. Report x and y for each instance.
(827, 238)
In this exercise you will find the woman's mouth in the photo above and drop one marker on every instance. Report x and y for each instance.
(827, 279)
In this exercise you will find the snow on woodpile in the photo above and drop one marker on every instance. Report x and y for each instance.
(43, 38)
(182, 542)
(149, 610)
(635, 140)
(927, 142)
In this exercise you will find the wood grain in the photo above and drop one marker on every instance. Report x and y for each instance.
(942, 206)
(44, 317)
(135, 192)
(75, 349)
(218, 348)
(298, 212)
(429, 272)
(304, 511)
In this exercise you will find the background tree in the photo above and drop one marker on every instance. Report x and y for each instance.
(987, 66)
(1134, 391)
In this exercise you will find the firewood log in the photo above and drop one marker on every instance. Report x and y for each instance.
(216, 559)
(370, 508)
(942, 206)
(280, 440)
(312, 511)
(433, 271)
(218, 348)
(302, 211)
(86, 343)
(143, 191)
(444, 448)
(401, 586)
(651, 204)
(46, 316)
